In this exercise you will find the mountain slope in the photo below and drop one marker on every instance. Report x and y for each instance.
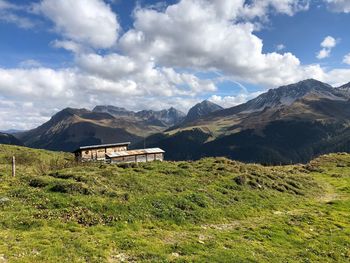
(293, 123)
(212, 210)
(344, 89)
(6, 138)
(286, 96)
(72, 128)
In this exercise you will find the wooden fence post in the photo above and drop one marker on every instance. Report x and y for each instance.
(13, 166)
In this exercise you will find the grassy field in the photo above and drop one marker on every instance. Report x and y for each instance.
(212, 210)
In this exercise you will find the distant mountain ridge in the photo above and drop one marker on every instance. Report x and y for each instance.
(6, 138)
(72, 128)
(293, 123)
(287, 95)
(166, 118)
(12, 131)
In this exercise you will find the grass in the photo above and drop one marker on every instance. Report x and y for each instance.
(212, 210)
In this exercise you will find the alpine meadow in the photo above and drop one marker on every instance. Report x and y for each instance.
(174, 131)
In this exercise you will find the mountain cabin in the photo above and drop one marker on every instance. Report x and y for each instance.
(117, 153)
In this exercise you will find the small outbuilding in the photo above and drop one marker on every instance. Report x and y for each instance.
(117, 153)
(136, 156)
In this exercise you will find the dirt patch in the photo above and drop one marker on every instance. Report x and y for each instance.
(116, 257)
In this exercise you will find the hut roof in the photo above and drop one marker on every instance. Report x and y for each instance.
(101, 146)
(135, 152)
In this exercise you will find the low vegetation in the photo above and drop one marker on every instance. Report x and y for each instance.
(211, 210)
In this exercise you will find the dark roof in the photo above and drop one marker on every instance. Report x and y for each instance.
(101, 146)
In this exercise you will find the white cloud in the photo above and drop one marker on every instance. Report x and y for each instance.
(68, 45)
(327, 45)
(230, 101)
(8, 15)
(341, 6)
(336, 77)
(6, 5)
(112, 66)
(16, 114)
(323, 53)
(209, 35)
(346, 59)
(280, 47)
(42, 83)
(86, 22)
(258, 8)
(329, 42)
(30, 63)
(22, 22)
(155, 63)
(152, 79)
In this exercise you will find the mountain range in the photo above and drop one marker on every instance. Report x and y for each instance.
(71, 128)
(290, 124)
(163, 118)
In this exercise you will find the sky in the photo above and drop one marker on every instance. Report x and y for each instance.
(152, 54)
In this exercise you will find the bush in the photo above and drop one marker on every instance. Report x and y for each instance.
(241, 179)
(198, 199)
(86, 217)
(313, 168)
(70, 188)
(127, 165)
(38, 182)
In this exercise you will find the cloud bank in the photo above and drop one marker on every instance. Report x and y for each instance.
(156, 63)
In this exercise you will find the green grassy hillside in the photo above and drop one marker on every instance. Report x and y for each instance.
(212, 210)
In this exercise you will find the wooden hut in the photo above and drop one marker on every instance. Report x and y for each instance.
(98, 152)
(117, 153)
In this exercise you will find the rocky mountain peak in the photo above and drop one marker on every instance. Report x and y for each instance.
(287, 95)
(201, 109)
(113, 110)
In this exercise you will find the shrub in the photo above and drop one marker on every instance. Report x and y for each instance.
(127, 165)
(38, 182)
(313, 168)
(85, 217)
(184, 166)
(241, 179)
(70, 188)
(67, 176)
(61, 176)
(197, 199)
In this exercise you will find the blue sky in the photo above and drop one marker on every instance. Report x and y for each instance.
(152, 54)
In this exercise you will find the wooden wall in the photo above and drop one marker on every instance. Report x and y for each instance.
(139, 158)
(100, 153)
